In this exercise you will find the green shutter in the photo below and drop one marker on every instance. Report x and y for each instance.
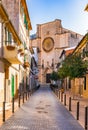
(24, 19)
(12, 85)
(26, 25)
(25, 22)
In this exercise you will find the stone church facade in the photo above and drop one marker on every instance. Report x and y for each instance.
(50, 39)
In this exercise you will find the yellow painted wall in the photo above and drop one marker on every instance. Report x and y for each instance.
(85, 92)
(77, 86)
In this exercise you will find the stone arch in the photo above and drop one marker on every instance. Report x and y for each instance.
(47, 73)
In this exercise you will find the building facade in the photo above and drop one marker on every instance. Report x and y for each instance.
(50, 39)
(80, 86)
(34, 82)
(66, 83)
(15, 57)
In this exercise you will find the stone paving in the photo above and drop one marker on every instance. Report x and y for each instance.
(42, 112)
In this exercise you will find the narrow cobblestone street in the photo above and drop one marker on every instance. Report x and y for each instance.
(42, 112)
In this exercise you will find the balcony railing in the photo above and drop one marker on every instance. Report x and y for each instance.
(10, 45)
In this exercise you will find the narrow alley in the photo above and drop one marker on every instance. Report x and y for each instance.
(42, 112)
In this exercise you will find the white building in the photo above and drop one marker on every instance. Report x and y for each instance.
(14, 48)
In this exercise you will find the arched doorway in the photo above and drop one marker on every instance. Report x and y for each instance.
(48, 77)
(47, 74)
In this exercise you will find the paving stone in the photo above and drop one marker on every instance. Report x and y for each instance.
(42, 112)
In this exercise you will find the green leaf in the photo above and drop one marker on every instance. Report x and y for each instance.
(73, 66)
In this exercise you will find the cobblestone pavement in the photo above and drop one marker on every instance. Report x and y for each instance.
(42, 112)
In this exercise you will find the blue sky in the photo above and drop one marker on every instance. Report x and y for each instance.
(71, 13)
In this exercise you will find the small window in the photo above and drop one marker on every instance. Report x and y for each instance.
(5, 36)
(69, 83)
(9, 37)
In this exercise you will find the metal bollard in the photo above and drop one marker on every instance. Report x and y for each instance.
(56, 92)
(30, 93)
(19, 101)
(4, 111)
(23, 97)
(77, 111)
(61, 96)
(13, 105)
(69, 103)
(26, 95)
(86, 112)
(65, 99)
